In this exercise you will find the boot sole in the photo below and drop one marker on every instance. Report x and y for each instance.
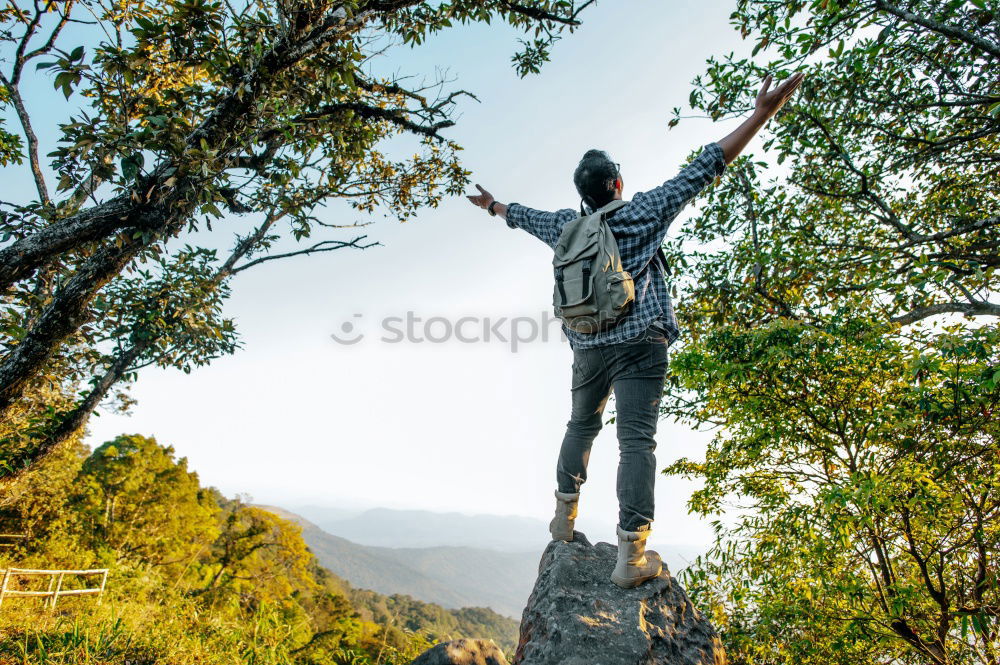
(631, 582)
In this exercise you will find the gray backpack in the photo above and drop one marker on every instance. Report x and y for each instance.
(592, 290)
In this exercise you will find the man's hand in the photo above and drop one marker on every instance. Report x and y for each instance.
(769, 102)
(483, 199)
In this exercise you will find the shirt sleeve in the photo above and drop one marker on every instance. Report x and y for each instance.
(665, 202)
(546, 226)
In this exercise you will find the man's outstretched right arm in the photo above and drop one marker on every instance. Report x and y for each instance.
(546, 226)
(665, 202)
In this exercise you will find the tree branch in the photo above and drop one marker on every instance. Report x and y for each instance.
(323, 246)
(890, 216)
(396, 116)
(29, 133)
(978, 308)
(941, 28)
(541, 15)
(64, 18)
(977, 225)
(20, 259)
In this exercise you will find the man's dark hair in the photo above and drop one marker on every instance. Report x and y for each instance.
(595, 178)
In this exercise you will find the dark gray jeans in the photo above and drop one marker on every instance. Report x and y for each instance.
(635, 371)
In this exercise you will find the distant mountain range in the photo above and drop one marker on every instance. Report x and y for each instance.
(387, 527)
(451, 576)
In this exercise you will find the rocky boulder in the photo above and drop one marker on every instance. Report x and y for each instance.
(462, 652)
(577, 616)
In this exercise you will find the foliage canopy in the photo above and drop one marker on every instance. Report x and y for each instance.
(856, 447)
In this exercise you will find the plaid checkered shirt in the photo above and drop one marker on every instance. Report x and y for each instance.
(639, 227)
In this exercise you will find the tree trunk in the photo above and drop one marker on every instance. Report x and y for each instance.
(61, 318)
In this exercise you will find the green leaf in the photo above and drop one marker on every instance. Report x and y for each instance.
(211, 208)
(130, 166)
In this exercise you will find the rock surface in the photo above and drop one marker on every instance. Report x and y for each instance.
(462, 652)
(577, 616)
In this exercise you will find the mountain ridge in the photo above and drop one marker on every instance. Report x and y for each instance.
(450, 576)
(387, 527)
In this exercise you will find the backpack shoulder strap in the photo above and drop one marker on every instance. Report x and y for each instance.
(663, 261)
(605, 210)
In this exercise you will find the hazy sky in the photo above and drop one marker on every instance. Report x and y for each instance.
(472, 427)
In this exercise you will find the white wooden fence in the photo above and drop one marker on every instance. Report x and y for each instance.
(10, 537)
(55, 590)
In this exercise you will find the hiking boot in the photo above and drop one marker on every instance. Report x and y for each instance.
(635, 565)
(561, 526)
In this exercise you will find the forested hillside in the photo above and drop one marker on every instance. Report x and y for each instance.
(409, 614)
(194, 576)
(449, 576)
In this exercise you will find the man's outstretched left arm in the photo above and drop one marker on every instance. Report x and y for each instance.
(767, 104)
